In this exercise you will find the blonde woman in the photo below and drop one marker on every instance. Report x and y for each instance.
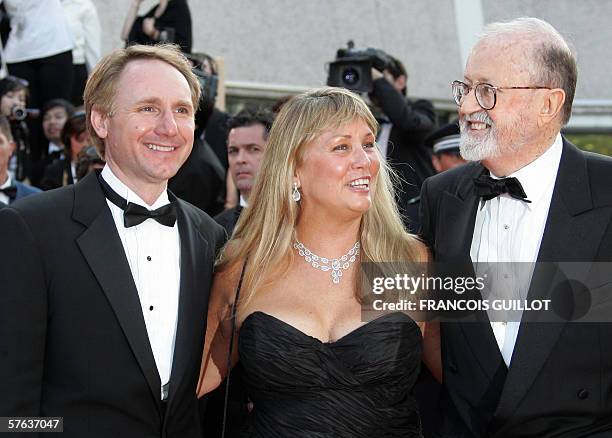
(311, 367)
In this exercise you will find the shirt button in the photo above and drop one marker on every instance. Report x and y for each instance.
(150, 307)
(583, 394)
(506, 227)
(149, 258)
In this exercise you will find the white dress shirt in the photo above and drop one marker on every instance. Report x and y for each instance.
(510, 230)
(38, 29)
(153, 253)
(54, 147)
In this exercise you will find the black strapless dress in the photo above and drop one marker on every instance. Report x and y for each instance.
(358, 386)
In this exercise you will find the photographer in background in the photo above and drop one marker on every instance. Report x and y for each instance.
(169, 22)
(39, 50)
(402, 131)
(10, 190)
(13, 96)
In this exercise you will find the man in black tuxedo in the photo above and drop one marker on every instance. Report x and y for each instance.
(246, 143)
(528, 195)
(105, 282)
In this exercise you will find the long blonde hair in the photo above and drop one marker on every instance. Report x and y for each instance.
(266, 229)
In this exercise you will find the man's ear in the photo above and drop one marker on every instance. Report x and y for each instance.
(552, 105)
(99, 122)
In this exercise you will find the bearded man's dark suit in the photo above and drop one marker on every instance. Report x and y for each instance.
(73, 341)
(559, 382)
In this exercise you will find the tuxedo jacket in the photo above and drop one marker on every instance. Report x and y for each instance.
(73, 340)
(559, 382)
(228, 218)
(201, 179)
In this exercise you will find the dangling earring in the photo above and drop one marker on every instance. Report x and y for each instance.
(296, 195)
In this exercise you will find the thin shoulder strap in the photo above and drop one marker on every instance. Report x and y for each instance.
(231, 348)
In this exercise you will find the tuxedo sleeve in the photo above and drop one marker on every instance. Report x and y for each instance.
(427, 229)
(23, 317)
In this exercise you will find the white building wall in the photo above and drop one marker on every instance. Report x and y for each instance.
(271, 47)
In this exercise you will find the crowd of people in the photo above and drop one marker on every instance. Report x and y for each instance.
(178, 271)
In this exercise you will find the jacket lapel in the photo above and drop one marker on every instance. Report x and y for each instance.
(103, 251)
(572, 233)
(196, 256)
(458, 211)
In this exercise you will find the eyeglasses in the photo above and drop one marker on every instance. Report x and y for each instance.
(486, 94)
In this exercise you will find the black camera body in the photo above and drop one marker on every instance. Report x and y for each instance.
(19, 113)
(208, 84)
(352, 68)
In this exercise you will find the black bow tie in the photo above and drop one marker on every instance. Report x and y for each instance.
(10, 191)
(489, 188)
(134, 214)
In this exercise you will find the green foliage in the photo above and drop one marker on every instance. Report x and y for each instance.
(600, 143)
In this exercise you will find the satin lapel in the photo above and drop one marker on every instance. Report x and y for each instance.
(457, 218)
(195, 254)
(572, 234)
(103, 251)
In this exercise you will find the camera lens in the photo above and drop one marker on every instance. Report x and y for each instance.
(350, 76)
(18, 112)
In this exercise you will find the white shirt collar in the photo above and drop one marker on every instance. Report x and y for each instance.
(53, 147)
(8, 182)
(537, 176)
(126, 193)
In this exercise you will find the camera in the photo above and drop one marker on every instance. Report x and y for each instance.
(19, 112)
(352, 68)
(203, 68)
(208, 83)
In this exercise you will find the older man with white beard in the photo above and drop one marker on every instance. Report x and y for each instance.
(528, 196)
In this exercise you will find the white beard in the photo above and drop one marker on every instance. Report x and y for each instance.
(473, 149)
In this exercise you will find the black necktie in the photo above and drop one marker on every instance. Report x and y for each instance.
(134, 214)
(10, 191)
(489, 188)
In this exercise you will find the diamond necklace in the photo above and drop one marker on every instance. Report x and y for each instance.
(324, 264)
